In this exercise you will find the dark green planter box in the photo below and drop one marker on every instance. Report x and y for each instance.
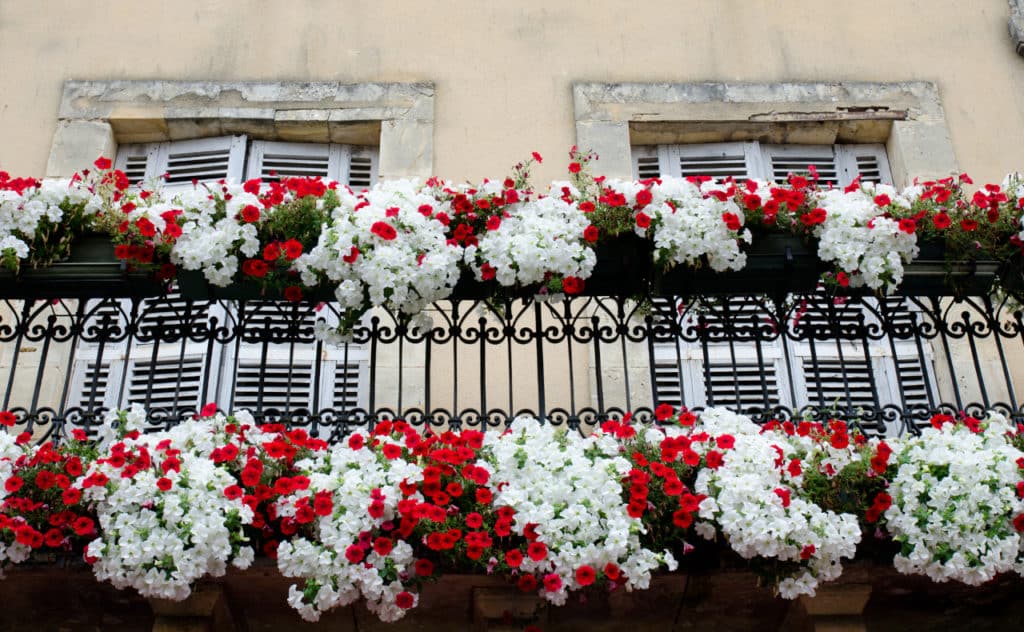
(91, 271)
(776, 264)
(468, 288)
(193, 285)
(1011, 277)
(625, 266)
(930, 274)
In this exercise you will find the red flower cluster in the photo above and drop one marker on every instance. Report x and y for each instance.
(43, 507)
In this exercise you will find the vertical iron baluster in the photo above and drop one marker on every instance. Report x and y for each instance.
(401, 372)
(782, 330)
(455, 332)
(428, 415)
(677, 342)
(872, 383)
(539, 338)
(888, 325)
(923, 359)
(568, 341)
(314, 405)
(651, 368)
(482, 341)
(374, 337)
(598, 369)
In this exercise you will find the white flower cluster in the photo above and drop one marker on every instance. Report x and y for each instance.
(583, 520)
(762, 514)
(21, 213)
(355, 480)
(538, 238)
(160, 541)
(384, 247)
(689, 226)
(954, 502)
(860, 240)
(212, 235)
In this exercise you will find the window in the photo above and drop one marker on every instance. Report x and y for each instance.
(836, 164)
(276, 375)
(813, 366)
(237, 158)
(712, 365)
(271, 369)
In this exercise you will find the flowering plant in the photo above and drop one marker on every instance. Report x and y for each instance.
(403, 244)
(256, 229)
(386, 246)
(40, 507)
(40, 219)
(353, 549)
(691, 222)
(165, 520)
(375, 516)
(957, 507)
(755, 503)
(577, 532)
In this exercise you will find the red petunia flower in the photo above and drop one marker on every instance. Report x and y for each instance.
(383, 230)
(572, 285)
(537, 551)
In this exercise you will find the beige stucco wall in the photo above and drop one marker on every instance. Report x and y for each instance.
(504, 71)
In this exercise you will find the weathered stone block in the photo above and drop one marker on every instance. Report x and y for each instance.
(406, 149)
(76, 144)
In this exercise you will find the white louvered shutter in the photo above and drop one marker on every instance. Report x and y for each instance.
(783, 160)
(719, 160)
(830, 383)
(89, 388)
(268, 375)
(172, 375)
(95, 378)
(734, 376)
(867, 160)
(204, 160)
(279, 384)
(166, 383)
(647, 161)
(347, 387)
(668, 383)
(270, 161)
(362, 168)
(739, 385)
(910, 375)
(175, 372)
(184, 161)
(138, 161)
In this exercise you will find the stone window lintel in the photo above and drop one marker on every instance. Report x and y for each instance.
(96, 115)
(907, 116)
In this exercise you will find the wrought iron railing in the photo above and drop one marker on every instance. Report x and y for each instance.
(885, 364)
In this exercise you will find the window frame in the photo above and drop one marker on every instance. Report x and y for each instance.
(720, 159)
